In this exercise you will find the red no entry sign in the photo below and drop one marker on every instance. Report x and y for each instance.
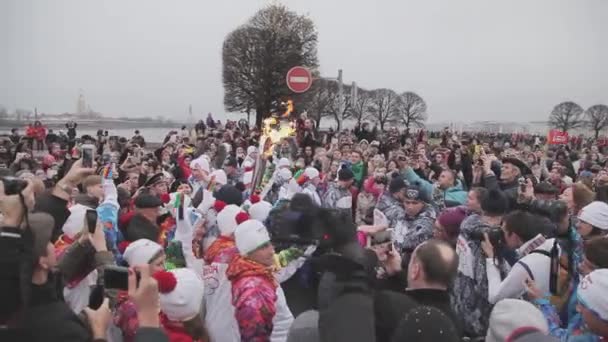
(299, 79)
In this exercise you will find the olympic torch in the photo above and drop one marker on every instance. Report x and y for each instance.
(274, 129)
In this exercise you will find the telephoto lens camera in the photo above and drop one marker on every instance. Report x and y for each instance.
(495, 235)
(13, 186)
(302, 223)
(554, 210)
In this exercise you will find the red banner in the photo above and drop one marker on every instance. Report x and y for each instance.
(556, 137)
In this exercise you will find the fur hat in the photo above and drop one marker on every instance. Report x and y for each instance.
(250, 235)
(181, 293)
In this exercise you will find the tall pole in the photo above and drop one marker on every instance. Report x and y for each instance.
(340, 99)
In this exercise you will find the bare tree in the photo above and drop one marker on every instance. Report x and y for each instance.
(566, 115)
(383, 106)
(339, 108)
(257, 56)
(411, 111)
(359, 109)
(597, 118)
(316, 101)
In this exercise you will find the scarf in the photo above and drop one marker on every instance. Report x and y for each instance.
(62, 243)
(219, 245)
(242, 267)
(167, 227)
(175, 330)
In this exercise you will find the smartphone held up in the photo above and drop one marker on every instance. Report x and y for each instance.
(88, 155)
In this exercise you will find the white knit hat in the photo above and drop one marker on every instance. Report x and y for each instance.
(311, 172)
(285, 174)
(140, 252)
(226, 219)
(592, 292)
(75, 222)
(181, 293)
(200, 163)
(283, 162)
(219, 176)
(596, 214)
(251, 149)
(250, 235)
(259, 211)
(510, 316)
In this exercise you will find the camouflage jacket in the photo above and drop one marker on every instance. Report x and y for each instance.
(412, 231)
(392, 208)
(236, 177)
(336, 193)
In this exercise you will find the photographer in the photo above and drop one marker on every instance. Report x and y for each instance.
(55, 202)
(539, 257)
(511, 170)
(470, 290)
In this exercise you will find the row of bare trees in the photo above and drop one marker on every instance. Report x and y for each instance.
(570, 115)
(381, 106)
(257, 55)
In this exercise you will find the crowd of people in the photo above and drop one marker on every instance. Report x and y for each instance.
(356, 235)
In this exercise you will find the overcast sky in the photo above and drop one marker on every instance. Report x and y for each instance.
(469, 59)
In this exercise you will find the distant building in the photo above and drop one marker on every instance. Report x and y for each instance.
(81, 105)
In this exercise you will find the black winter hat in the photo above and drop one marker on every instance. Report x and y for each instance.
(345, 174)
(147, 201)
(494, 203)
(229, 195)
(397, 183)
(416, 193)
(424, 324)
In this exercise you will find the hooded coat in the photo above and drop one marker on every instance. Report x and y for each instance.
(470, 290)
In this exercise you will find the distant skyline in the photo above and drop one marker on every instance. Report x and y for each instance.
(470, 60)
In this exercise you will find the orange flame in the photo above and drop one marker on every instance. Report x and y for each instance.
(275, 129)
(289, 109)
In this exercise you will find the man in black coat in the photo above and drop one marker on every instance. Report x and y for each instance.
(144, 225)
(432, 267)
(511, 170)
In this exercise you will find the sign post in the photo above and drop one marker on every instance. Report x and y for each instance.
(299, 79)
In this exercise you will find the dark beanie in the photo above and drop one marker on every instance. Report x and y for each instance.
(229, 195)
(397, 183)
(451, 218)
(424, 324)
(494, 203)
(345, 174)
(415, 192)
